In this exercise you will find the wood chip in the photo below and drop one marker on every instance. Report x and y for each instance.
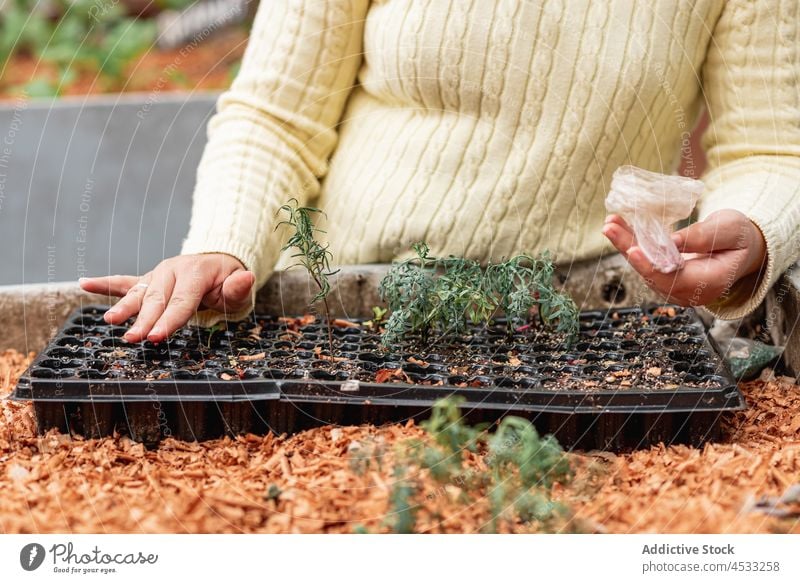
(386, 375)
(62, 483)
(321, 356)
(255, 333)
(297, 323)
(668, 311)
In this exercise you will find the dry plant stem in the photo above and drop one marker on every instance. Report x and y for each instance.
(328, 322)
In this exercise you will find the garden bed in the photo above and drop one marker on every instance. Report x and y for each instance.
(310, 482)
(82, 47)
(209, 66)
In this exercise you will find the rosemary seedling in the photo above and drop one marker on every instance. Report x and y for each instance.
(408, 291)
(442, 294)
(311, 254)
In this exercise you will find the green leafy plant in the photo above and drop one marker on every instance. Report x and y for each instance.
(213, 330)
(402, 507)
(378, 317)
(524, 467)
(23, 28)
(273, 492)
(311, 254)
(175, 4)
(87, 36)
(427, 293)
(521, 468)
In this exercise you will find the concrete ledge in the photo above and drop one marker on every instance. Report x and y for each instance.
(32, 313)
(783, 317)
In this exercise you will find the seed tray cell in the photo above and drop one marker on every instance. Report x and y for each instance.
(633, 376)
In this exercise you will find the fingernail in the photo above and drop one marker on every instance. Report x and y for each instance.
(82, 279)
(608, 219)
(607, 231)
(131, 333)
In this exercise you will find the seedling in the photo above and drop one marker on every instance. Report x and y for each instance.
(524, 467)
(378, 317)
(211, 331)
(273, 492)
(408, 290)
(427, 293)
(403, 509)
(521, 468)
(311, 254)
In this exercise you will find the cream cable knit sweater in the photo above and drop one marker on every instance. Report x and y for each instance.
(490, 128)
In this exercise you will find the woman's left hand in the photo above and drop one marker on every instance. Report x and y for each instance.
(725, 248)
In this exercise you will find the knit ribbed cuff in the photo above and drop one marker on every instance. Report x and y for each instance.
(742, 299)
(765, 189)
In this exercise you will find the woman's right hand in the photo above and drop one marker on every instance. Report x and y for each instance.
(167, 297)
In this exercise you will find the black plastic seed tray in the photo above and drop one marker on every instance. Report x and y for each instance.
(632, 377)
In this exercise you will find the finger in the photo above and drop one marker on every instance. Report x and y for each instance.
(112, 285)
(153, 305)
(618, 220)
(620, 237)
(710, 235)
(233, 294)
(130, 304)
(664, 283)
(181, 307)
(642, 264)
(236, 290)
(668, 285)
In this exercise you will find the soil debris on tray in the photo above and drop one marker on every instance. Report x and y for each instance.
(649, 350)
(309, 483)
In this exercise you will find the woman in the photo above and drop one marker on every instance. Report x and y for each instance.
(486, 129)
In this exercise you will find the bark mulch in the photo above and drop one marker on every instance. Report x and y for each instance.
(337, 479)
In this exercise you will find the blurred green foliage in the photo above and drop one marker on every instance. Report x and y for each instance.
(174, 4)
(521, 469)
(89, 35)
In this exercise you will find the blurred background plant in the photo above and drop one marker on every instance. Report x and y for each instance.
(513, 480)
(90, 46)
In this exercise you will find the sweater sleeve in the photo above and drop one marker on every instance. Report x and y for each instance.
(751, 83)
(274, 130)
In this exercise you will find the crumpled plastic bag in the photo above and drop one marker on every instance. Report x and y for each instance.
(651, 204)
